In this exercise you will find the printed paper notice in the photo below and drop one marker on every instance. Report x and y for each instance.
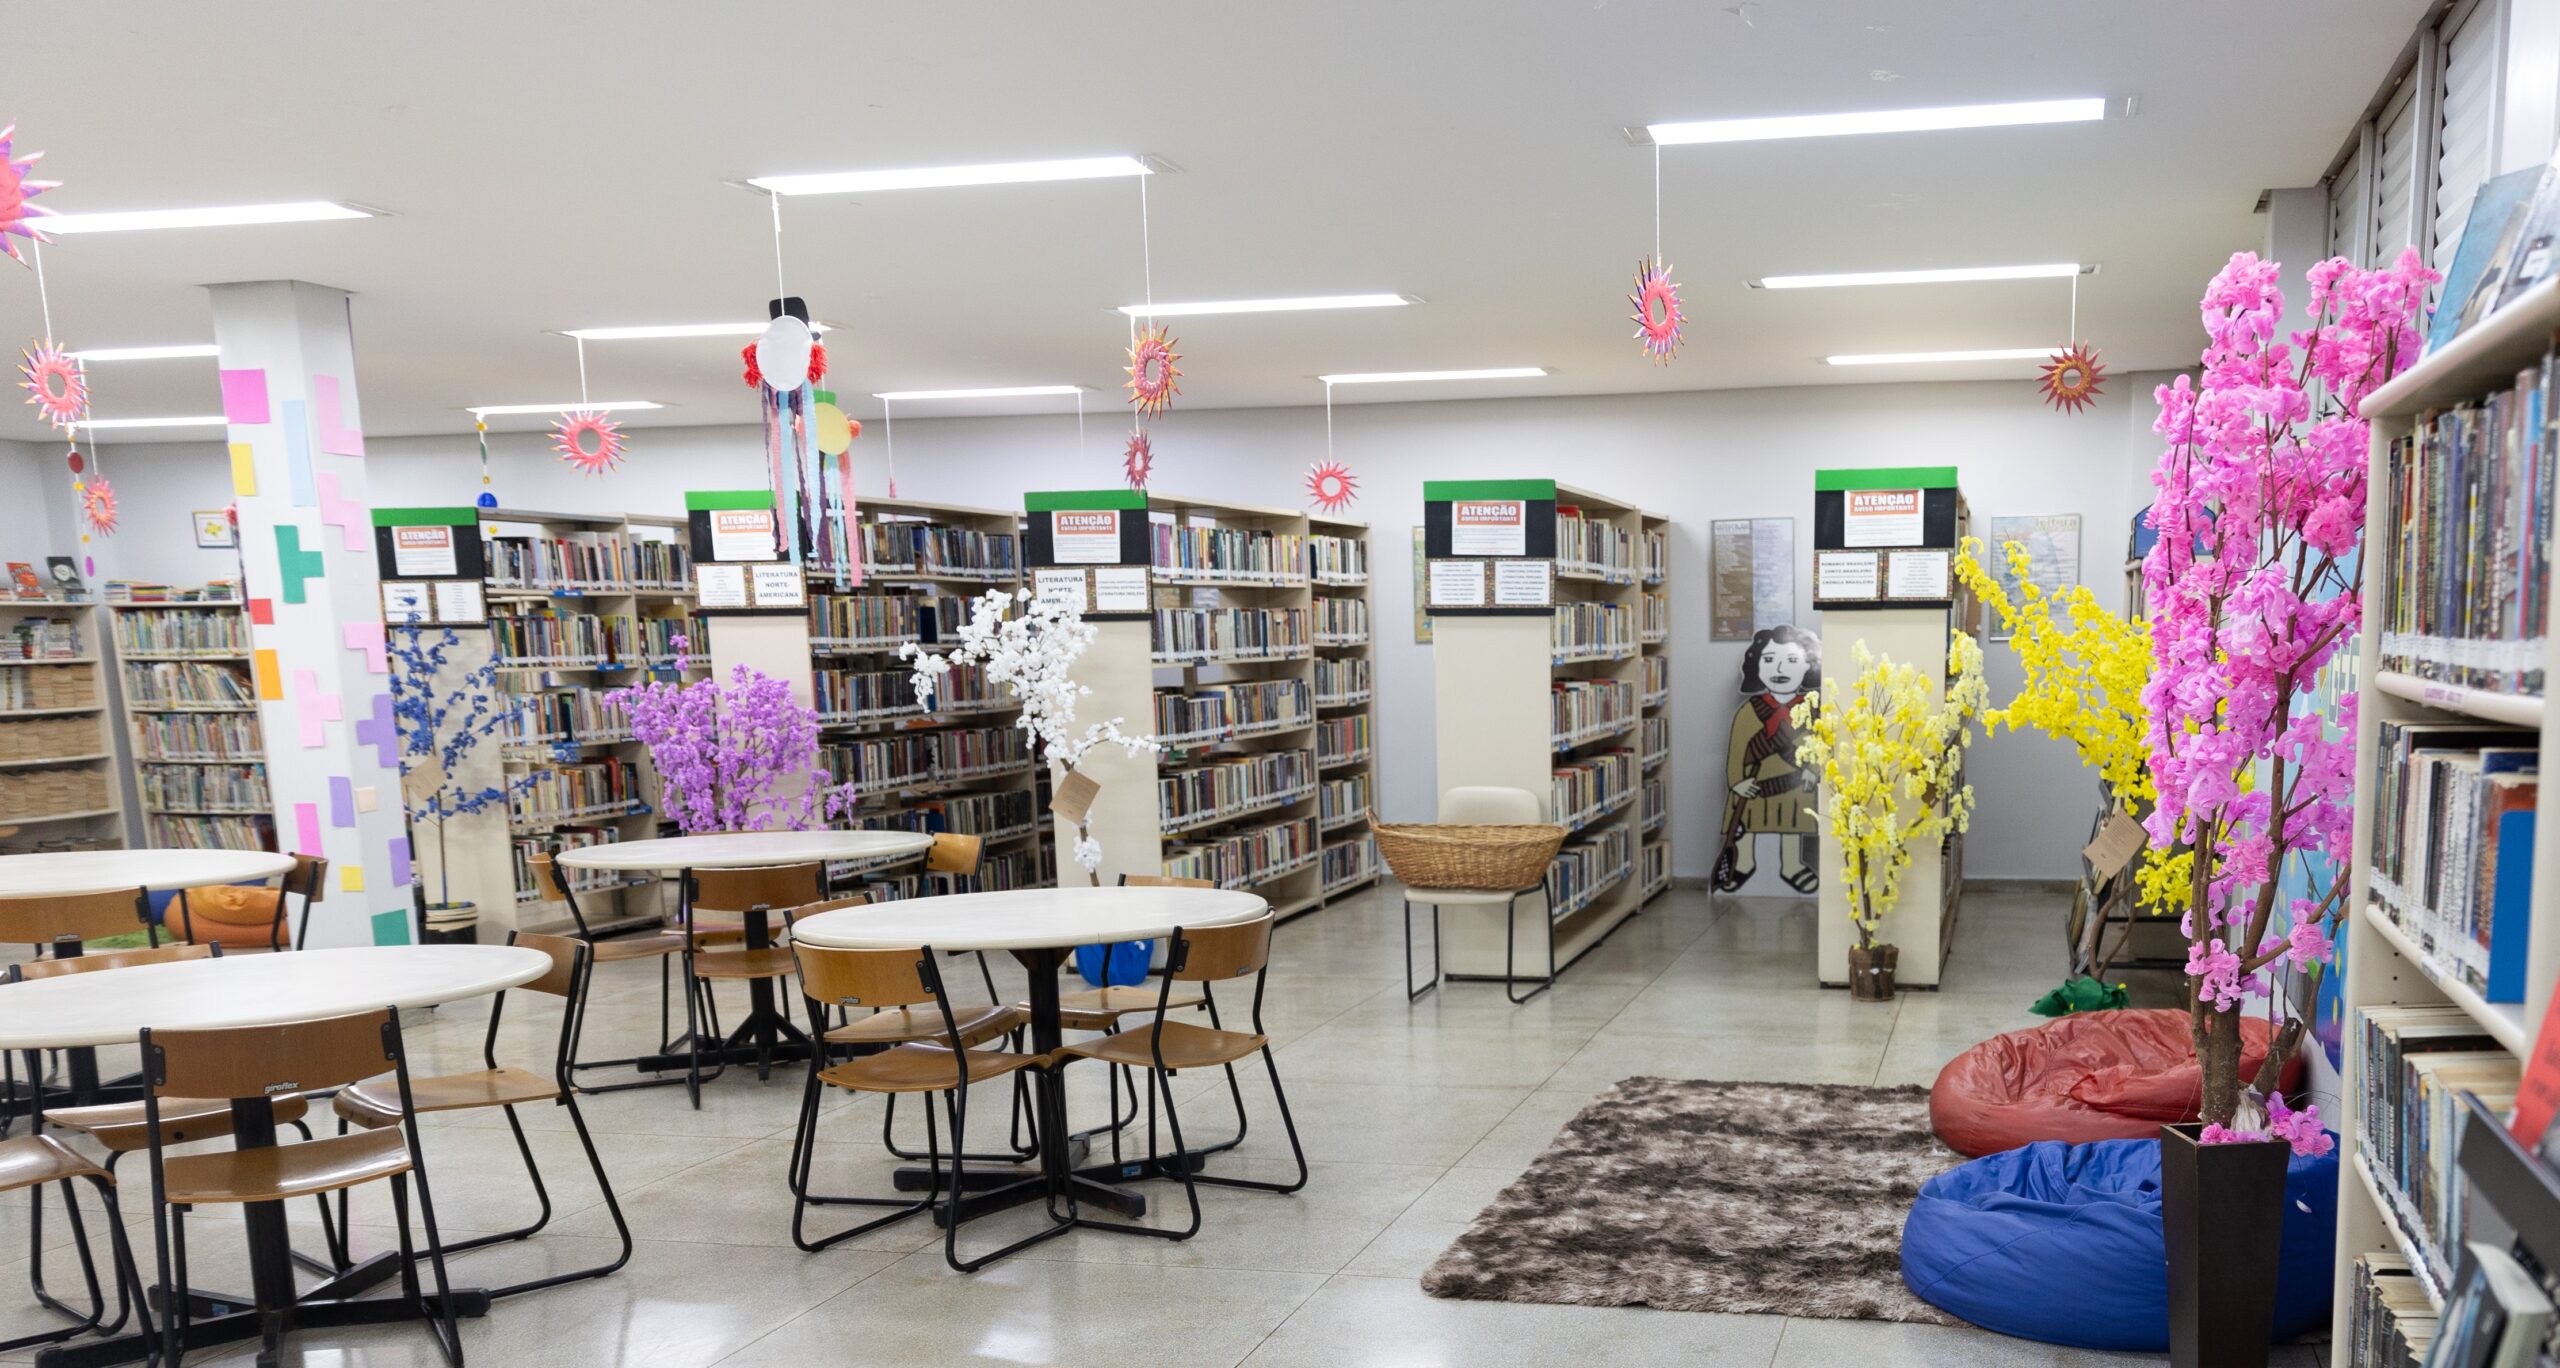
(1523, 583)
(458, 600)
(423, 551)
(1915, 575)
(1064, 588)
(1457, 584)
(719, 586)
(1086, 537)
(1880, 517)
(1488, 527)
(405, 602)
(1849, 575)
(778, 586)
(1120, 589)
(742, 534)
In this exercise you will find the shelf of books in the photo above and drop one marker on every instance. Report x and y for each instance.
(961, 766)
(58, 754)
(2453, 941)
(1345, 683)
(191, 717)
(1541, 662)
(579, 605)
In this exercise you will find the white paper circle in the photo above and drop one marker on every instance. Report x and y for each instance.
(783, 353)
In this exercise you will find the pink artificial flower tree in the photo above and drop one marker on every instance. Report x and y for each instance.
(739, 756)
(2256, 581)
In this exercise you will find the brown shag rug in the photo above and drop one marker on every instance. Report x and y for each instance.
(1770, 1198)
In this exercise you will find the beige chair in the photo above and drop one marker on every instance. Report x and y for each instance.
(1484, 805)
(719, 913)
(662, 947)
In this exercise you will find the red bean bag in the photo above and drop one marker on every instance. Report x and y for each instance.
(2116, 1075)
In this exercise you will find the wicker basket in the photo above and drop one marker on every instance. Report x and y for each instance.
(1425, 855)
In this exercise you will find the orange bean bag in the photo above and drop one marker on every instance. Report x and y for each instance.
(229, 915)
(2117, 1075)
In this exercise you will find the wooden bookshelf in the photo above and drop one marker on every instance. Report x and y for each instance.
(59, 761)
(2387, 962)
(190, 713)
(1345, 680)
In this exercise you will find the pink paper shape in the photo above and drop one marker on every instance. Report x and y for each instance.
(244, 396)
(367, 637)
(313, 707)
(354, 526)
(306, 822)
(337, 436)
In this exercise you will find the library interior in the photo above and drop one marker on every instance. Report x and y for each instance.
(1685, 684)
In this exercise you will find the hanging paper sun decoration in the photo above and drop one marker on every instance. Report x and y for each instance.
(98, 505)
(1657, 316)
(587, 440)
(1152, 372)
(1139, 461)
(1332, 485)
(54, 384)
(15, 192)
(2071, 377)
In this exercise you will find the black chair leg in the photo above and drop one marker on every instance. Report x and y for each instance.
(1411, 993)
(94, 1318)
(1510, 936)
(613, 1208)
(804, 1158)
(578, 1035)
(955, 1103)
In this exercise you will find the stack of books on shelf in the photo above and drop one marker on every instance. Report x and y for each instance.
(1657, 680)
(1654, 618)
(1657, 555)
(554, 841)
(902, 547)
(209, 833)
(2467, 580)
(1657, 867)
(1587, 866)
(39, 687)
(1215, 634)
(45, 791)
(582, 792)
(558, 717)
(41, 738)
(853, 698)
(1342, 682)
(2452, 857)
(659, 565)
(1208, 714)
(1656, 807)
(1593, 631)
(205, 789)
(1341, 621)
(1592, 787)
(1341, 802)
(965, 688)
(1231, 787)
(1342, 740)
(1655, 740)
(146, 591)
(42, 638)
(1585, 710)
(555, 640)
(878, 767)
(1246, 858)
(1337, 560)
(2391, 1323)
(190, 736)
(1350, 862)
(2415, 1062)
(658, 640)
(988, 816)
(867, 622)
(180, 631)
(1593, 548)
(577, 562)
(1228, 555)
(189, 685)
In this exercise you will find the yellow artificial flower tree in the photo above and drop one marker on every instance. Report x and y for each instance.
(1890, 749)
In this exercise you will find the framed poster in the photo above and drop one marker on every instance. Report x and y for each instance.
(1881, 517)
(1751, 575)
(2052, 541)
(1085, 537)
(1488, 527)
(213, 529)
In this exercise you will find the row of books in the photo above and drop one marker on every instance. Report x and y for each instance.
(658, 639)
(927, 548)
(2467, 579)
(852, 698)
(42, 638)
(1657, 556)
(558, 716)
(1581, 710)
(1592, 786)
(1654, 807)
(554, 794)
(1653, 616)
(1656, 857)
(872, 622)
(1588, 866)
(1211, 713)
(48, 686)
(1342, 681)
(210, 833)
(1593, 631)
(1341, 802)
(1345, 863)
(1245, 859)
(172, 631)
(1337, 560)
(568, 640)
(1653, 737)
(1231, 786)
(999, 872)
(1342, 740)
(661, 564)
(1593, 547)
(2416, 1061)
(1657, 680)
(2390, 1321)
(198, 736)
(2452, 846)
(879, 766)
(1231, 553)
(553, 842)
(1341, 621)
(974, 814)
(205, 788)
(1211, 634)
(149, 591)
(573, 561)
(188, 684)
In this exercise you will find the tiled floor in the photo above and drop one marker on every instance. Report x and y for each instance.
(1412, 1116)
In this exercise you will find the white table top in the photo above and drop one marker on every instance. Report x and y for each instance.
(104, 871)
(744, 850)
(113, 1005)
(1028, 918)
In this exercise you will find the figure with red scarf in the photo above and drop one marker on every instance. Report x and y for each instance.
(1765, 793)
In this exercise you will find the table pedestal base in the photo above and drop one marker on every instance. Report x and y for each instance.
(333, 1303)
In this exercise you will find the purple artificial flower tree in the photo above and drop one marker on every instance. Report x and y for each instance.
(735, 756)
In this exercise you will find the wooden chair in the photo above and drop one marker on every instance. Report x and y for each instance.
(884, 980)
(718, 908)
(249, 1064)
(375, 1104)
(662, 947)
(30, 1162)
(1483, 806)
(62, 921)
(1203, 955)
(311, 877)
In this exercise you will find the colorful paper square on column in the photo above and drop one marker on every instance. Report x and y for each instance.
(306, 829)
(262, 612)
(367, 798)
(297, 455)
(391, 928)
(270, 675)
(244, 470)
(244, 396)
(339, 435)
(342, 801)
(402, 872)
(351, 878)
(367, 637)
(383, 734)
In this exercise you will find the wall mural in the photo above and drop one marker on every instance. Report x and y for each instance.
(1765, 793)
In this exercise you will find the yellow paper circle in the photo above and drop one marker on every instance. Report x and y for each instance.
(835, 435)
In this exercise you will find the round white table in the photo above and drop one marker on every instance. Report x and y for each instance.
(161, 870)
(114, 1005)
(1039, 925)
(766, 1034)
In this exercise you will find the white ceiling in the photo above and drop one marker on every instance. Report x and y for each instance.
(551, 165)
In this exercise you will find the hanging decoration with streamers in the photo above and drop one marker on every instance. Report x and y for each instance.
(60, 390)
(2070, 379)
(810, 491)
(17, 191)
(488, 497)
(1153, 365)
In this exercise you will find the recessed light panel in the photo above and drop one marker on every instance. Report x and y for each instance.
(939, 177)
(1878, 121)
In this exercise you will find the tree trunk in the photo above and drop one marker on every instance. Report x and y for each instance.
(2271, 1070)
(2218, 1051)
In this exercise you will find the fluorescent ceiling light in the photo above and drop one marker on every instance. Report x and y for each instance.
(1237, 306)
(1878, 121)
(936, 177)
(1924, 358)
(129, 220)
(147, 353)
(2049, 271)
(215, 420)
(1398, 377)
(1008, 392)
(566, 406)
(646, 331)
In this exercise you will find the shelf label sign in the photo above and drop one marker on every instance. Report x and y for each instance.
(1916, 575)
(1523, 583)
(1085, 536)
(1457, 584)
(777, 586)
(1845, 575)
(1120, 589)
(423, 552)
(1880, 517)
(1488, 527)
(719, 586)
(742, 534)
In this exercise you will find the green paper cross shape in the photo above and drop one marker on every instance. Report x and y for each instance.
(293, 564)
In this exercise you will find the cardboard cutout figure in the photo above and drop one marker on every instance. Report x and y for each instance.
(1765, 793)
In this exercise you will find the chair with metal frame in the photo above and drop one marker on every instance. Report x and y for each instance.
(898, 979)
(375, 1104)
(65, 922)
(1205, 956)
(31, 1161)
(312, 874)
(960, 855)
(1484, 805)
(661, 946)
(250, 1064)
(723, 950)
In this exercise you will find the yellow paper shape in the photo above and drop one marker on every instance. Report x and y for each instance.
(244, 470)
(270, 675)
(351, 878)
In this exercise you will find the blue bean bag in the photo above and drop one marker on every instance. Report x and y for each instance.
(2061, 1243)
